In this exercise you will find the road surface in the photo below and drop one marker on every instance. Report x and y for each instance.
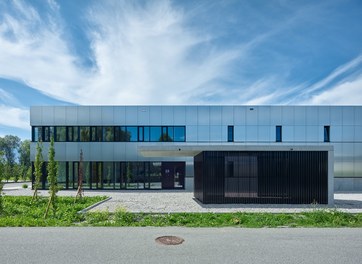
(201, 245)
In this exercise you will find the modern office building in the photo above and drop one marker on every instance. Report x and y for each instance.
(226, 154)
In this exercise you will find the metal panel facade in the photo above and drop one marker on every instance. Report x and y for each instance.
(301, 125)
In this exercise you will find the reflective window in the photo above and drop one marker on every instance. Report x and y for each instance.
(179, 134)
(155, 134)
(85, 134)
(146, 134)
(132, 133)
(230, 133)
(108, 175)
(93, 133)
(327, 137)
(108, 134)
(48, 133)
(120, 134)
(165, 137)
(140, 134)
(61, 133)
(170, 133)
(278, 134)
(62, 174)
(75, 134)
(69, 134)
(97, 134)
(37, 133)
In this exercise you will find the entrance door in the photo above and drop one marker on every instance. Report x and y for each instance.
(173, 175)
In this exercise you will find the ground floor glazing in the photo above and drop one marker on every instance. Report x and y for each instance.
(119, 175)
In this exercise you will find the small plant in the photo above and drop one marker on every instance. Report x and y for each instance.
(38, 165)
(25, 186)
(52, 170)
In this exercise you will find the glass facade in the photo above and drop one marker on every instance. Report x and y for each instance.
(109, 133)
(120, 175)
(278, 134)
(230, 133)
(327, 137)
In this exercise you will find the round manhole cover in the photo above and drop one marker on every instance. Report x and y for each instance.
(169, 240)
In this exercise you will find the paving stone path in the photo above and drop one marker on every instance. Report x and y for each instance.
(161, 201)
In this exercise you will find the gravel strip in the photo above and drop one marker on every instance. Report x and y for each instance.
(164, 201)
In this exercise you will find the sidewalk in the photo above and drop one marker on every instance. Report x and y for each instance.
(165, 201)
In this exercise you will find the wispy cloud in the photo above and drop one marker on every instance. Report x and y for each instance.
(345, 93)
(143, 54)
(14, 117)
(35, 52)
(150, 53)
(337, 73)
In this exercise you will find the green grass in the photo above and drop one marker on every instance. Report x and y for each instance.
(20, 211)
(317, 218)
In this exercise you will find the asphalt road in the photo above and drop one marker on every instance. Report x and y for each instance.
(202, 245)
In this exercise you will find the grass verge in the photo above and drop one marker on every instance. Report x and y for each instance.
(317, 218)
(20, 211)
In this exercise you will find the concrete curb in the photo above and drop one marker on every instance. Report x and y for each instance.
(93, 205)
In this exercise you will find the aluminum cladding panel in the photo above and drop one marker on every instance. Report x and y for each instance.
(203, 115)
(300, 116)
(131, 115)
(143, 115)
(35, 115)
(263, 115)
(107, 115)
(191, 115)
(83, 115)
(179, 115)
(167, 115)
(239, 115)
(59, 115)
(215, 116)
(288, 116)
(119, 115)
(336, 115)
(95, 117)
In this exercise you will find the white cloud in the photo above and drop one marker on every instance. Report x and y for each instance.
(35, 53)
(345, 93)
(14, 117)
(7, 98)
(335, 74)
(148, 54)
(144, 54)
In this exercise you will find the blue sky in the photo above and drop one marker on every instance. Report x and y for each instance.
(70, 52)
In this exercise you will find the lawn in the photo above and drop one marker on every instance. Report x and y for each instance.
(21, 211)
(317, 218)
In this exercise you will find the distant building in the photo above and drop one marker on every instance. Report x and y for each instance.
(226, 154)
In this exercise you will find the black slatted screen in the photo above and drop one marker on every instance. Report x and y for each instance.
(286, 177)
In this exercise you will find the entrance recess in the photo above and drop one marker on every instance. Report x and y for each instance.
(173, 175)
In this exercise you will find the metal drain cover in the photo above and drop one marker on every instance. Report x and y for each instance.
(169, 240)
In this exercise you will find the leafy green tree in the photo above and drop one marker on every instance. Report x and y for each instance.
(38, 166)
(9, 144)
(7, 171)
(24, 153)
(2, 164)
(16, 172)
(80, 177)
(28, 174)
(52, 169)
